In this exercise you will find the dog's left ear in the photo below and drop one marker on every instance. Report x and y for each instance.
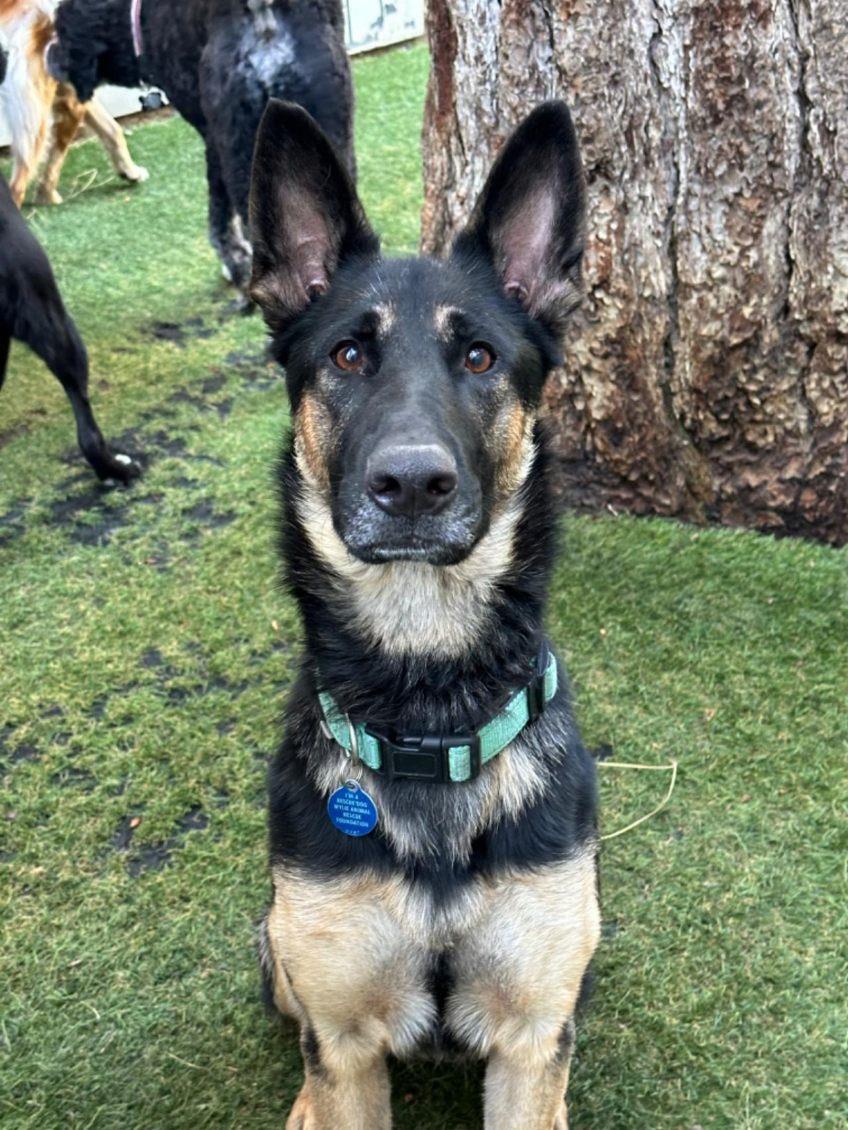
(305, 216)
(528, 220)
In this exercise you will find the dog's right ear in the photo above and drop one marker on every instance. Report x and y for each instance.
(305, 216)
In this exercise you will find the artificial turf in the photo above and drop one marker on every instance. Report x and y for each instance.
(145, 647)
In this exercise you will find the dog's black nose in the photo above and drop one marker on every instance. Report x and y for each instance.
(411, 480)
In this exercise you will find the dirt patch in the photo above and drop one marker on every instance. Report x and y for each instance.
(178, 333)
(13, 752)
(93, 517)
(203, 513)
(73, 778)
(12, 523)
(155, 856)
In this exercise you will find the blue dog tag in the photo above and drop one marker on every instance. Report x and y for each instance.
(352, 810)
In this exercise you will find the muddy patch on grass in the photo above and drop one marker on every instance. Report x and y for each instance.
(72, 777)
(12, 433)
(93, 517)
(13, 751)
(156, 855)
(12, 521)
(89, 513)
(205, 515)
(259, 370)
(179, 333)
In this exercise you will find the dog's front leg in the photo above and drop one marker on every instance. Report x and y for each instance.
(526, 1088)
(517, 979)
(346, 1084)
(338, 960)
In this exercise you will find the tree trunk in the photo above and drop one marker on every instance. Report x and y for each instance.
(707, 375)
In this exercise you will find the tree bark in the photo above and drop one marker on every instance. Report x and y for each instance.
(707, 375)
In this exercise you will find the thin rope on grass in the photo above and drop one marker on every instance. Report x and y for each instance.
(670, 765)
(85, 181)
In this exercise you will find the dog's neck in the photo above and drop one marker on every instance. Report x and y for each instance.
(120, 26)
(437, 643)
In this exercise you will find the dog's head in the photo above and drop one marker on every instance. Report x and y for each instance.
(415, 383)
(87, 48)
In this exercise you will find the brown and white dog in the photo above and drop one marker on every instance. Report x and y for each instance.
(46, 115)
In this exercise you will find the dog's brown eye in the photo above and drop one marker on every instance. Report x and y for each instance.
(479, 358)
(348, 356)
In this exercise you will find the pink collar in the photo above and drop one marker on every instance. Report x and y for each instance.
(135, 17)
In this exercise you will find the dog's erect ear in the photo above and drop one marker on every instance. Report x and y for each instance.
(305, 216)
(529, 217)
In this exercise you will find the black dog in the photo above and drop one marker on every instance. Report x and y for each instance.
(218, 61)
(432, 809)
(32, 311)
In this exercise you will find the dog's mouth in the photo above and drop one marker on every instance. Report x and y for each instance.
(377, 539)
(430, 553)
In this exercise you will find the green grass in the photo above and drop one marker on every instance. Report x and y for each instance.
(145, 651)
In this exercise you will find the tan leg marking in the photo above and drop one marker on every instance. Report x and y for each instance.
(25, 163)
(359, 988)
(98, 119)
(518, 976)
(68, 114)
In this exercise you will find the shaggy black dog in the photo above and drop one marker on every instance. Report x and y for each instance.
(32, 311)
(219, 61)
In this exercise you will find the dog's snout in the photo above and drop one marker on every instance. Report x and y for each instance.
(411, 480)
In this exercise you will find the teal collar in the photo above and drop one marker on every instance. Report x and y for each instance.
(442, 758)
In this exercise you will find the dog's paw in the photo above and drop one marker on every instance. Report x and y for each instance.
(48, 196)
(301, 1117)
(136, 175)
(118, 468)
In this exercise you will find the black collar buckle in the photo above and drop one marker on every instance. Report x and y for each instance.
(424, 757)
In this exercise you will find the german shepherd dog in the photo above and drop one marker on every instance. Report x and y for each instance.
(219, 61)
(32, 311)
(432, 809)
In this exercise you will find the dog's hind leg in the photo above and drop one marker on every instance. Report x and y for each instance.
(5, 342)
(225, 230)
(114, 142)
(68, 114)
(60, 347)
(29, 136)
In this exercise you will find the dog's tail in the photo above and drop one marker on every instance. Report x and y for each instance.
(263, 17)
